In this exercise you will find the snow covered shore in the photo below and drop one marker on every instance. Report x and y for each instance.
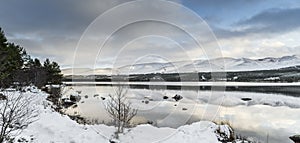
(51, 126)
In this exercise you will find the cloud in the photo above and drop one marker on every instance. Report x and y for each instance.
(272, 21)
(50, 28)
(132, 22)
(252, 47)
(270, 33)
(53, 28)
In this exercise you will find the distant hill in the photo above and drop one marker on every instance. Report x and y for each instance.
(215, 65)
(284, 69)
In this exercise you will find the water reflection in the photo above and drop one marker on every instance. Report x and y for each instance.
(273, 115)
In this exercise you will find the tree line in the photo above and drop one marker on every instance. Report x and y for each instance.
(17, 67)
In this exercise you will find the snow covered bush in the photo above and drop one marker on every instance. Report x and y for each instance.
(16, 113)
(225, 133)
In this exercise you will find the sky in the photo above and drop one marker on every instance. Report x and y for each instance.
(108, 33)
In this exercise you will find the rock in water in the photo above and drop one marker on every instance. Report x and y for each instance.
(177, 97)
(246, 99)
(295, 138)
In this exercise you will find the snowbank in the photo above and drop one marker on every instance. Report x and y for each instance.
(54, 127)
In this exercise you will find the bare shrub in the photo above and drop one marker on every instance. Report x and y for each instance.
(16, 113)
(120, 109)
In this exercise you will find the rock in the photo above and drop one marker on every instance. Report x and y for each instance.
(22, 139)
(146, 102)
(113, 141)
(67, 103)
(96, 95)
(150, 122)
(103, 98)
(184, 109)
(2, 97)
(177, 97)
(75, 98)
(86, 96)
(74, 106)
(246, 99)
(148, 98)
(165, 97)
(295, 138)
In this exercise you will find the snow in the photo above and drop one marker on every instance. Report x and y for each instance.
(51, 126)
(272, 78)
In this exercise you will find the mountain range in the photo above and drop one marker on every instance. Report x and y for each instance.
(214, 65)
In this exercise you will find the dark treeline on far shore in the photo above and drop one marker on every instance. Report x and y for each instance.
(289, 74)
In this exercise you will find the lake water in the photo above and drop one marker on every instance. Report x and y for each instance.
(275, 116)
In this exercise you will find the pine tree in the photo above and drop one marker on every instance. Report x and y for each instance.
(17, 66)
(11, 60)
(53, 71)
(3, 54)
(3, 40)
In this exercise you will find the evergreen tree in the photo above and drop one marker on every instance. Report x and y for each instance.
(17, 66)
(11, 60)
(3, 40)
(3, 54)
(53, 71)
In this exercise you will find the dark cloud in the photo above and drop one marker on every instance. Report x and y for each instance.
(272, 21)
(265, 24)
(223, 4)
(50, 28)
(57, 16)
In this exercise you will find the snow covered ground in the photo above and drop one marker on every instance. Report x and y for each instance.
(52, 127)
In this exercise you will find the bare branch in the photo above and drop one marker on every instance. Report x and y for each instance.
(16, 113)
(119, 109)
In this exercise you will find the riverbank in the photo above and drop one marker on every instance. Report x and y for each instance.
(51, 126)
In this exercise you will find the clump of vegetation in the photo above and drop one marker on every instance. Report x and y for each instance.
(225, 132)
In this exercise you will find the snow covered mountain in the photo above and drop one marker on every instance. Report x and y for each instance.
(218, 64)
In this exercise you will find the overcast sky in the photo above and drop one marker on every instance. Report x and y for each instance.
(242, 28)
